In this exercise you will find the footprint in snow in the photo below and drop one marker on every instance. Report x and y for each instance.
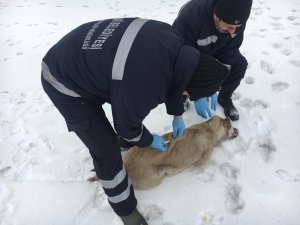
(266, 149)
(152, 212)
(8, 58)
(267, 67)
(291, 18)
(257, 11)
(295, 63)
(265, 53)
(236, 96)
(276, 17)
(53, 23)
(277, 26)
(229, 171)
(284, 175)
(204, 174)
(286, 52)
(279, 86)
(277, 45)
(249, 80)
(233, 203)
(4, 169)
(249, 104)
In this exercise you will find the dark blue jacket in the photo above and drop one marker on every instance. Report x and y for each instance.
(158, 69)
(196, 25)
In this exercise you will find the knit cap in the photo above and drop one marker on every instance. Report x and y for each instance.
(207, 78)
(233, 12)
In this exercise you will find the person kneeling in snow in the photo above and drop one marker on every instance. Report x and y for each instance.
(216, 27)
(133, 64)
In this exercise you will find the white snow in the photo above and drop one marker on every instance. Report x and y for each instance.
(253, 179)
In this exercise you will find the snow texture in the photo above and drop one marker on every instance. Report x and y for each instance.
(253, 179)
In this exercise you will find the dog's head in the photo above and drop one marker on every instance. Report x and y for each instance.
(222, 128)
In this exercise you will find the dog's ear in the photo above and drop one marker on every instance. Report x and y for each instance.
(214, 122)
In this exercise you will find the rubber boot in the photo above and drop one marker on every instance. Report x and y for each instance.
(134, 218)
(225, 100)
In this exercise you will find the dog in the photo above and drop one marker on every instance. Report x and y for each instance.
(147, 167)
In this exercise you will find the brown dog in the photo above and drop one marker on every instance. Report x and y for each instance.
(147, 167)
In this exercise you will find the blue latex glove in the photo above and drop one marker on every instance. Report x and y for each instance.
(158, 143)
(178, 127)
(202, 108)
(214, 101)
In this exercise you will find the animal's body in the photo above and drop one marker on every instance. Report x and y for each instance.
(147, 167)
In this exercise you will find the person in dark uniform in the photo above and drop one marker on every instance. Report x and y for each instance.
(216, 27)
(133, 64)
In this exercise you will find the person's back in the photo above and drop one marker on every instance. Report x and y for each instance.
(84, 59)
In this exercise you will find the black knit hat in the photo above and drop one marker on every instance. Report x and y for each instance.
(207, 78)
(233, 12)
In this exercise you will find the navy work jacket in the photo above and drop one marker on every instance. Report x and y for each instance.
(196, 25)
(157, 70)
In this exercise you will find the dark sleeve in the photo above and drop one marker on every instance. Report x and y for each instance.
(188, 33)
(185, 66)
(174, 104)
(229, 52)
(129, 110)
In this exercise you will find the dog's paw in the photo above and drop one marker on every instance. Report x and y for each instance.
(234, 133)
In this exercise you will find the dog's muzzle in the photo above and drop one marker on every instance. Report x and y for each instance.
(234, 134)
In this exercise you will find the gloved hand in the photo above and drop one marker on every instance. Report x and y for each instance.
(202, 108)
(214, 101)
(178, 127)
(158, 143)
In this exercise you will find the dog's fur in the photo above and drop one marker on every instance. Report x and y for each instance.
(147, 167)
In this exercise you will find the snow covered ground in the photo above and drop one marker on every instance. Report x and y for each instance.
(253, 179)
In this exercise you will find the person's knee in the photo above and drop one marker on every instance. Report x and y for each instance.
(242, 65)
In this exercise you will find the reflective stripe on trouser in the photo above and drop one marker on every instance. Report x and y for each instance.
(90, 124)
(236, 74)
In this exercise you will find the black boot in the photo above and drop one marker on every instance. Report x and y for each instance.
(224, 99)
(134, 218)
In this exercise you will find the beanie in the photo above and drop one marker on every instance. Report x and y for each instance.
(207, 78)
(233, 12)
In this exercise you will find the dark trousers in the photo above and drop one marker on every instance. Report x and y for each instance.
(237, 73)
(87, 119)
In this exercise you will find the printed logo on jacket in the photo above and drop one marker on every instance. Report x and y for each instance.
(101, 39)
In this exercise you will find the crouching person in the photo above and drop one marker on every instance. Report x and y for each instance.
(133, 64)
